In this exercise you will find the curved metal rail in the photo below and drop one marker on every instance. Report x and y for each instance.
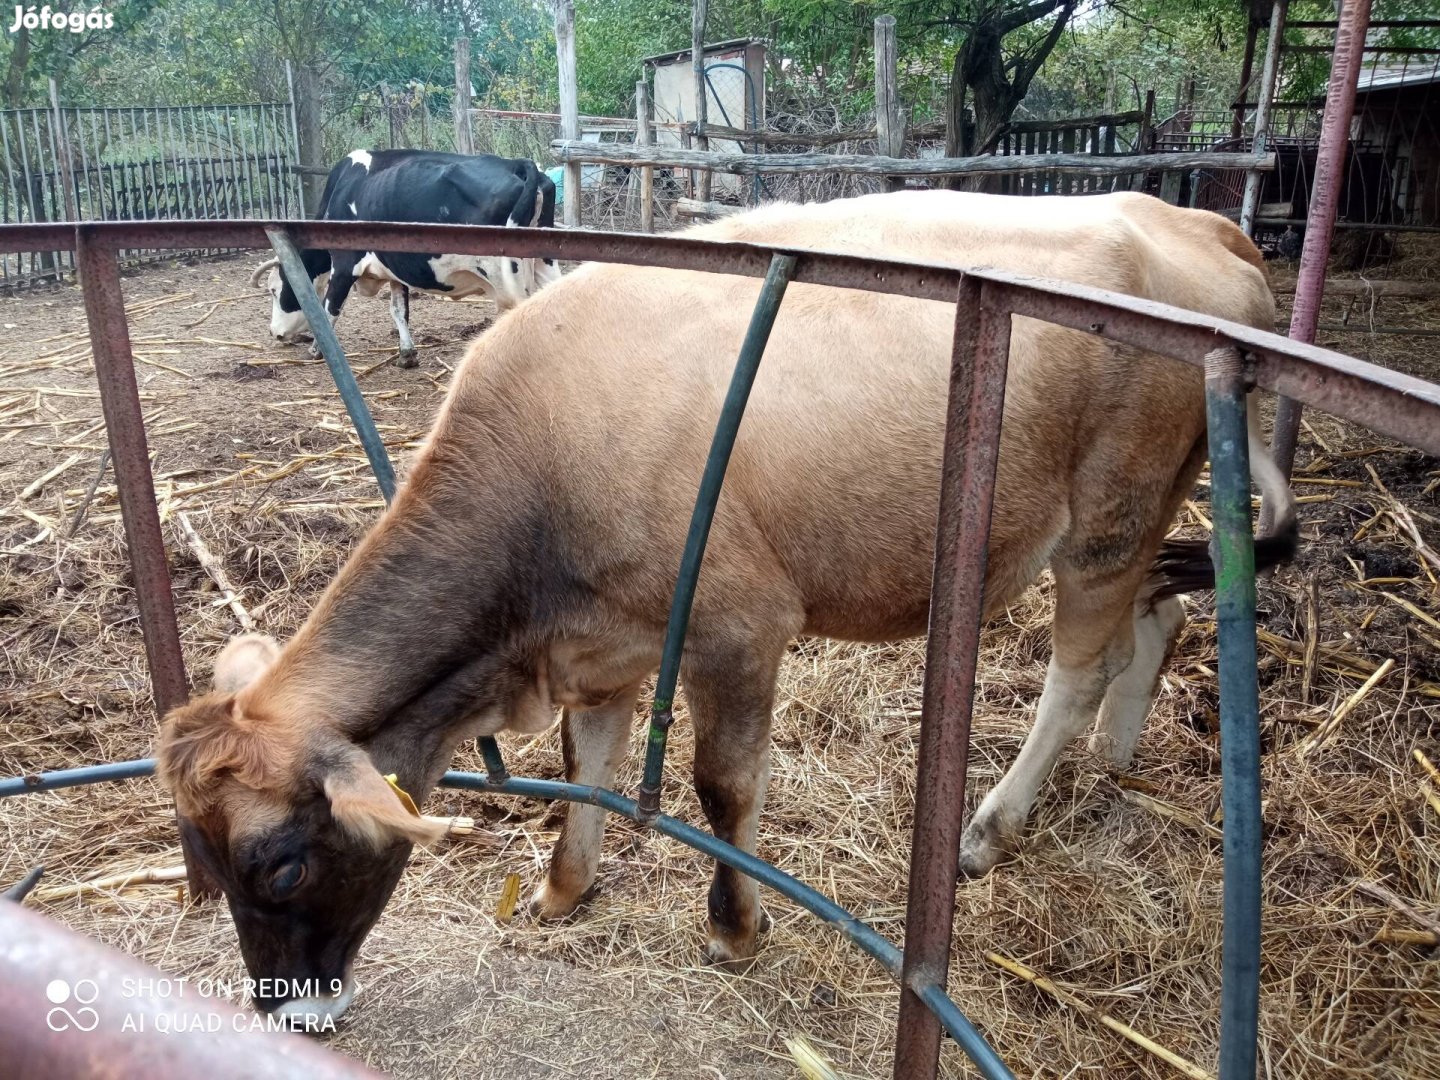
(866, 937)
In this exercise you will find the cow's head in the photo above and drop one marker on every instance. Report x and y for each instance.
(297, 826)
(296, 823)
(287, 321)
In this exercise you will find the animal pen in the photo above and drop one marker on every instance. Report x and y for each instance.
(1234, 359)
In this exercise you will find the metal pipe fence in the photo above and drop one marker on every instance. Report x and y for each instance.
(1235, 358)
(141, 164)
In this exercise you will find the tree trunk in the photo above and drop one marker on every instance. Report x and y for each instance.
(955, 117)
(15, 74)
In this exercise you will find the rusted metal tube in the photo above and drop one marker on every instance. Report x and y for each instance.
(1324, 204)
(71, 1007)
(125, 427)
(1397, 405)
(967, 490)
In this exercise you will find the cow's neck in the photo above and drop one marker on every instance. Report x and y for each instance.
(428, 624)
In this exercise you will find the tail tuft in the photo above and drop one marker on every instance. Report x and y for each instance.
(1185, 566)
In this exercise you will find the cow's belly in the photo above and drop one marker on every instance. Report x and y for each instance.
(506, 281)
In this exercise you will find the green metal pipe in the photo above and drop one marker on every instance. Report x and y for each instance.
(662, 715)
(329, 345)
(1233, 551)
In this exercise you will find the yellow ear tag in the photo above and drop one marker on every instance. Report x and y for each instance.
(402, 795)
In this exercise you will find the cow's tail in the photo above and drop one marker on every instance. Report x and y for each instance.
(1187, 565)
(526, 211)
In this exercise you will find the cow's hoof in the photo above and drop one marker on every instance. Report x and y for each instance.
(727, 955)
(548, 905)
(982, 846)
(407, 359)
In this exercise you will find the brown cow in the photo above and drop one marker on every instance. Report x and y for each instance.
(527, 564)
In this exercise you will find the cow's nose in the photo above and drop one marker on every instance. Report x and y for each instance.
(269, 1004)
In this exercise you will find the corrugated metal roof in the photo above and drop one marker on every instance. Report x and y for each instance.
(1393, 76)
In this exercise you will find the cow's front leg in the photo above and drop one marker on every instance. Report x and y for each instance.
(731, 700)
(342, 280)
(594, 742)
(400, 312)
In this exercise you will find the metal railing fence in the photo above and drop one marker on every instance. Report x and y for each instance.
(1234, 357)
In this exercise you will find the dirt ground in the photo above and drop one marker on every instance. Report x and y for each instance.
(1115, 895)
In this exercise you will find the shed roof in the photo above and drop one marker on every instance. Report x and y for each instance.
(1395, 76)
(714, 46)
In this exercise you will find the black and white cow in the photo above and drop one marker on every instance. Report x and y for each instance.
(420, 186)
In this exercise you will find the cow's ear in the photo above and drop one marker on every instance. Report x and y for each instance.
(370, 809)
(205, 740)
(243, 660)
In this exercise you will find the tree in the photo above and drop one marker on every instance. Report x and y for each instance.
(999, 46)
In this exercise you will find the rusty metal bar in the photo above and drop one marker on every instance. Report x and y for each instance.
(1388, 402)
(125, 427)
(1324, 205)
(1385, 401)
(70, 1006)
(978, 368)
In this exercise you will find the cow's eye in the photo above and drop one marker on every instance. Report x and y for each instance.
(286, 878)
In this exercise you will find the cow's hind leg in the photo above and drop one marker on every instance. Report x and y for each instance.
(1093, 634)
(1127, 701)
(731, 698)
(594, 743)
(400, 312)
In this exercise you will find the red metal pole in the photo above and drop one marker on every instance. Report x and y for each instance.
(99, 269)
(1324, 204)
(72, 1007)
(972, 447)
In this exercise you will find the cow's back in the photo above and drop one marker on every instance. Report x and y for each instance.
(613, 379)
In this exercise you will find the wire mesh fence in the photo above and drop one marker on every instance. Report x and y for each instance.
(126, 164)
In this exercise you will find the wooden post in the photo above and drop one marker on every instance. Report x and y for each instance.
(647, 172)
(464, 139)
(64, 170)
(309, 139)
(1144, 138)
(1247, 69)
(702, 95)
(564, 12)
(889, 131)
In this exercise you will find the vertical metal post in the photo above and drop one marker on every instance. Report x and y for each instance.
(979, 361)
(1324, 205)
(762, 320)
(1268, 71)
(125, 428)
(320, 326)
(1233, 552)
